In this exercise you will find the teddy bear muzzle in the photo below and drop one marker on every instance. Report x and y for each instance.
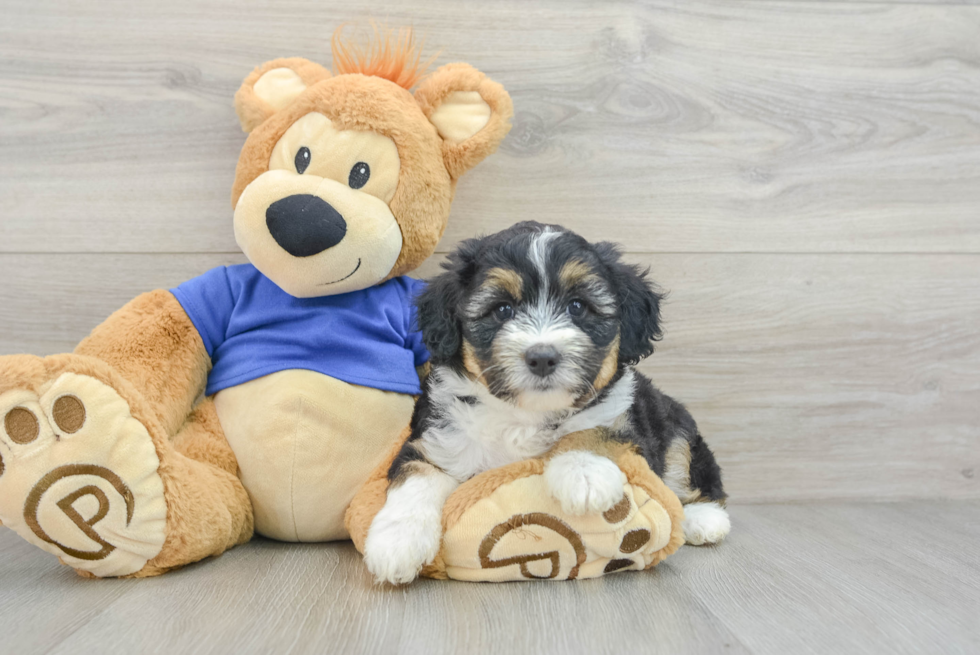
(315, 236)
(305, 225)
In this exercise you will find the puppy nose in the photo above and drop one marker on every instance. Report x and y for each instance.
(542, 359)
(305, 225)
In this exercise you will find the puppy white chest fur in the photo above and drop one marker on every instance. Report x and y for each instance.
(473, 431)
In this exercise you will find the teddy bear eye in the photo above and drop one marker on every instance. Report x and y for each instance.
(359, 175)
(302, 160)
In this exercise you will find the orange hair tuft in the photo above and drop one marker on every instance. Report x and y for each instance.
(398, 61)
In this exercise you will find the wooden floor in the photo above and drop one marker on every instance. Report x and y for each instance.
(817, 578)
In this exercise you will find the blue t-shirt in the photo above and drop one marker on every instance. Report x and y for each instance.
(252, 328)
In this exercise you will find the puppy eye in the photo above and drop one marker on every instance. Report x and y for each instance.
(359, 175)
(503, 312)
(576, 308)
(302, 160)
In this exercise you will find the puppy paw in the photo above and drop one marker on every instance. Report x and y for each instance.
(399, 544)
(584, 482)
(705, 523)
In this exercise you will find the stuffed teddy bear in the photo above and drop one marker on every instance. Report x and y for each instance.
(306, 356)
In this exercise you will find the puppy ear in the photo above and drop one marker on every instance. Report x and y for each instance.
(639, 306)
(272, 86)
(438, 318)
(437, 307)
(470, 111)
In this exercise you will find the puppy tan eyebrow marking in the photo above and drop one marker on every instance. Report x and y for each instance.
(506, 279)
(497, 279)
(575, 272)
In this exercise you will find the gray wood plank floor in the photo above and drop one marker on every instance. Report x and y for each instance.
(811, 578)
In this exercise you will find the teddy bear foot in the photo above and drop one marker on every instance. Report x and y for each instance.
(79, 475)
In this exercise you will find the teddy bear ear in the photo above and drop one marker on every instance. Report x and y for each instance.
(272, 86)
(470, 111)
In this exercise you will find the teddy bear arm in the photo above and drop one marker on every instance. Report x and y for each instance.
(152, 343)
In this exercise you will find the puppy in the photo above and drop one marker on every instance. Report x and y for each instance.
(534, 333)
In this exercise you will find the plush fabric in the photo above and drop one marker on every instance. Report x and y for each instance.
(357, 102)
(503, 525)
(461, 115)
(351, 238)
(151, 343)
(99, 427)
(461, 156)
(253, 109)
(429, 166)
(207, 509)
(305, 442)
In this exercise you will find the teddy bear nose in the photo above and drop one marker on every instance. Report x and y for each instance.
(305, 225)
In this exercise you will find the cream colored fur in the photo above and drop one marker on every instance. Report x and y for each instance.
(279, 87)
(305, 442)
(108, 465)
(461, 116)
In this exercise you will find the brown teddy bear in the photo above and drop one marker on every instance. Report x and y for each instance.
(307, 355)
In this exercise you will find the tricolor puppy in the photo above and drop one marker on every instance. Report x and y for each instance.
(534, 333)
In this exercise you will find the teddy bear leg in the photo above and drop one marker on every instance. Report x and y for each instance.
(87, 472)
(88, 467)
(203, 440)
(209, 509)
(154, 345)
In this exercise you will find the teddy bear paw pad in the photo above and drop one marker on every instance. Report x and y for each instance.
(79, 476)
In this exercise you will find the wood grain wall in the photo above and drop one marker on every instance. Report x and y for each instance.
(802, 176)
